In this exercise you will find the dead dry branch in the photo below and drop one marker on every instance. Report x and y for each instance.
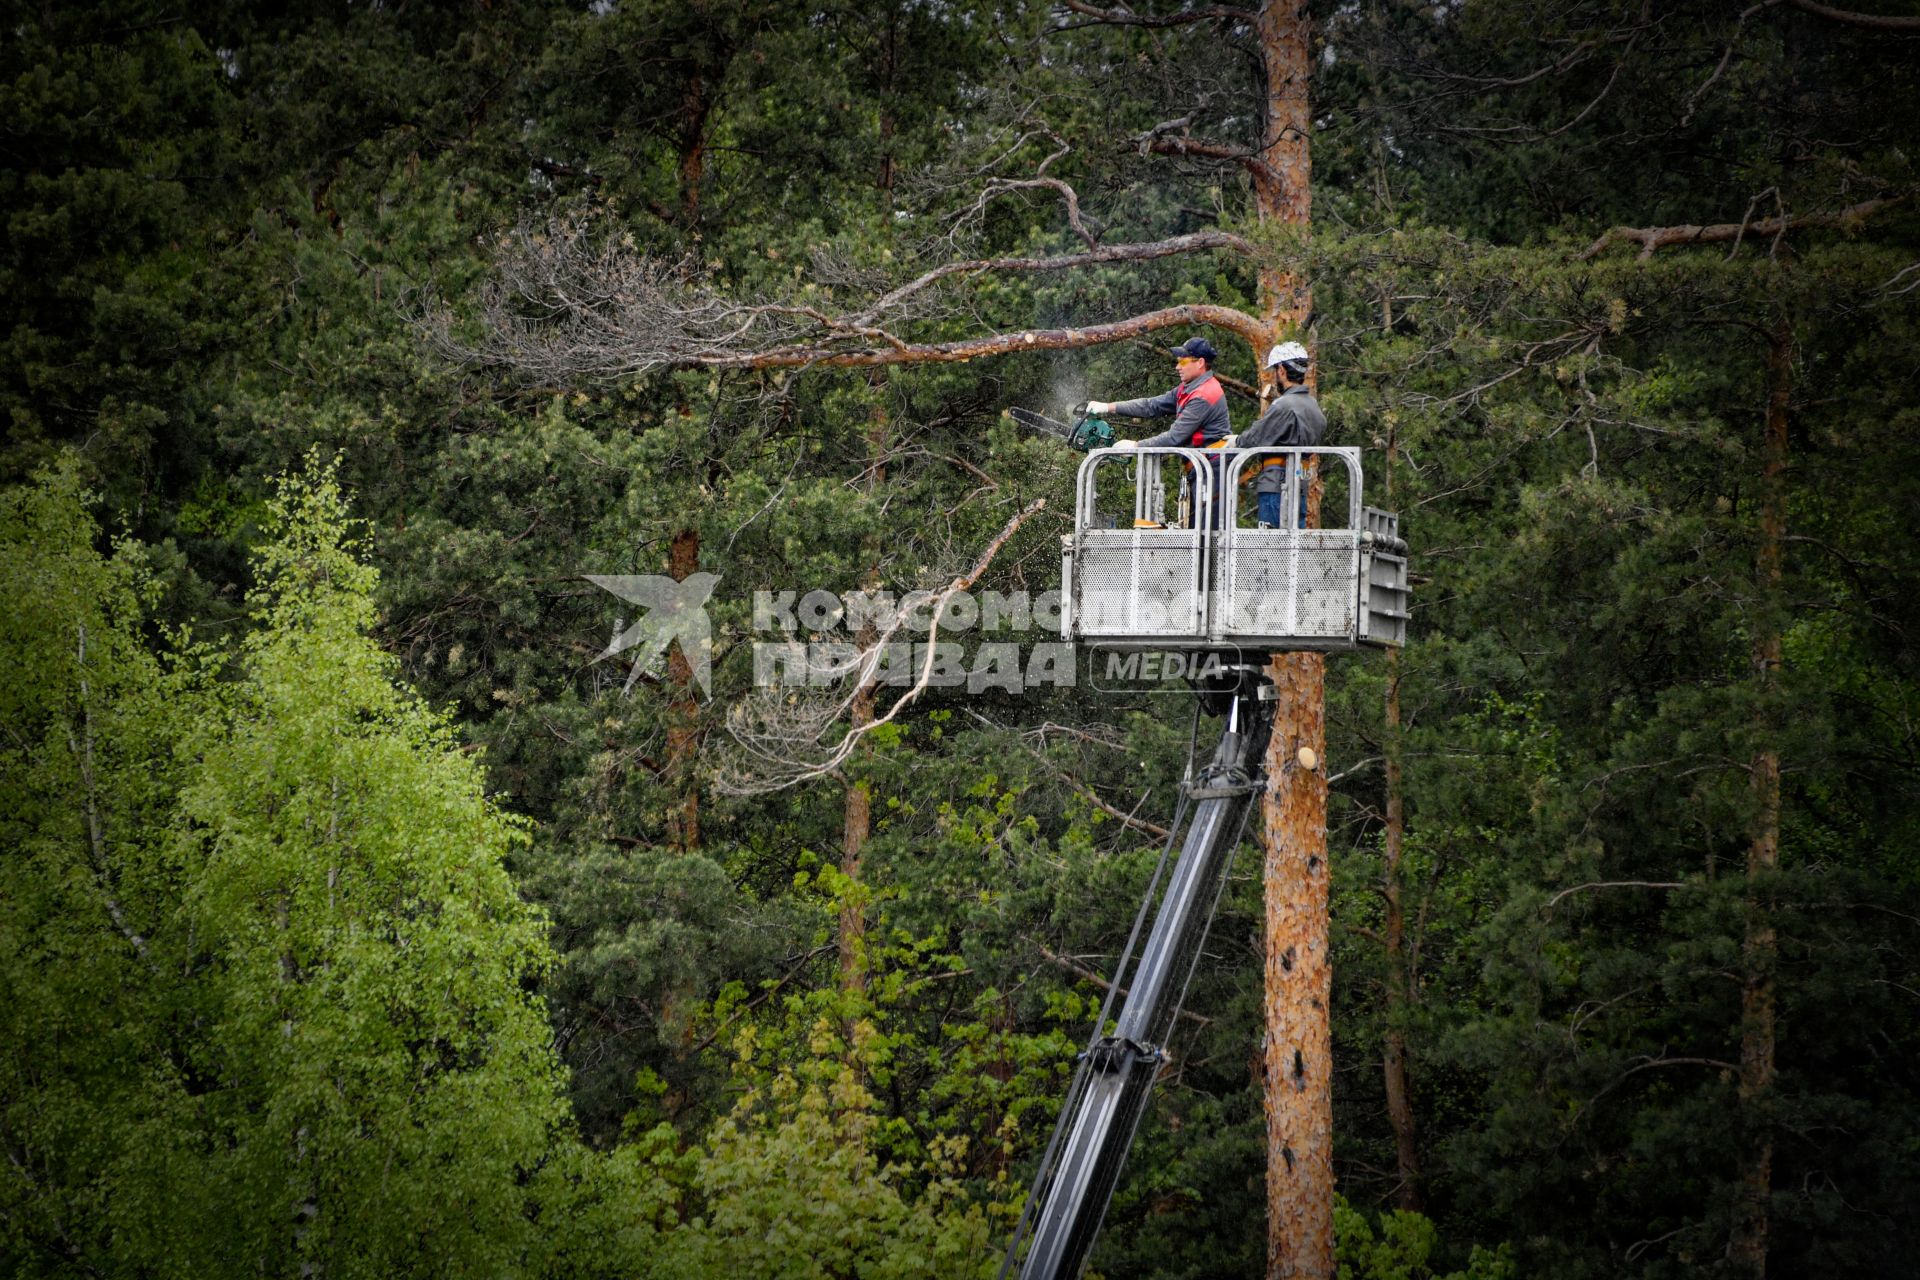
(785, 736)
(567, 306)
(1653, 239)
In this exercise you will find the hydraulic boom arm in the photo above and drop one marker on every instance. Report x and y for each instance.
(1110, 1087)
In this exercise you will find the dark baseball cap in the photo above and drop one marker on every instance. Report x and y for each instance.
(1197, 347)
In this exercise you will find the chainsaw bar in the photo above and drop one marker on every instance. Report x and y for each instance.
(1040, 422)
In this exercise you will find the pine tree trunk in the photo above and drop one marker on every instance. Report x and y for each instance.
(695, 106)
(683, 714)
(1299, 982)
(856, 825)
(1298, 1057)
(857, 813)
(1757, 1032)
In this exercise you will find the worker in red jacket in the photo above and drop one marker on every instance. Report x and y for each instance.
(1198, 406)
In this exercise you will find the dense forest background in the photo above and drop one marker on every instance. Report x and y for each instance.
(355, 920)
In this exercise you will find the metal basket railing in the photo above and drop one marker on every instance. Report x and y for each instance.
(1207, 581)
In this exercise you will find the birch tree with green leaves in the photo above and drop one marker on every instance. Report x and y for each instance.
(268, 978)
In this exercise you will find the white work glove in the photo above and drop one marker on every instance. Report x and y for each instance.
(1126, 444)
(1098, 407)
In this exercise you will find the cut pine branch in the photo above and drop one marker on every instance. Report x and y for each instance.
(1297, 1056)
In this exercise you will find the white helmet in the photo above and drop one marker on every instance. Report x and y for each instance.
(1288, 353)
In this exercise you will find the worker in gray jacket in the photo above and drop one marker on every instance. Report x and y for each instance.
(1292, 421)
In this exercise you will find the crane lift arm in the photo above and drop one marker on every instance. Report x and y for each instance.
(1115, 1074)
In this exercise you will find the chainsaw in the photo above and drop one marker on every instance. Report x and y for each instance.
(1085, 433)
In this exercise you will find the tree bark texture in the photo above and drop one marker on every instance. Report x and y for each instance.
(1298, 1057)
(628, 314)
(1758, 1039)
(683, 715)
(1299, 983)
(1282, 182)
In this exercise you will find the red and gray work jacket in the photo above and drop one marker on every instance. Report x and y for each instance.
(1198, 409)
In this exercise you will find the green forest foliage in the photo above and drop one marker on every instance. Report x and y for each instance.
(350, 922)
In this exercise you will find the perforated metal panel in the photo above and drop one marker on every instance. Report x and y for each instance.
(1288, 584)
(1138, 582)
(1272, 589)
